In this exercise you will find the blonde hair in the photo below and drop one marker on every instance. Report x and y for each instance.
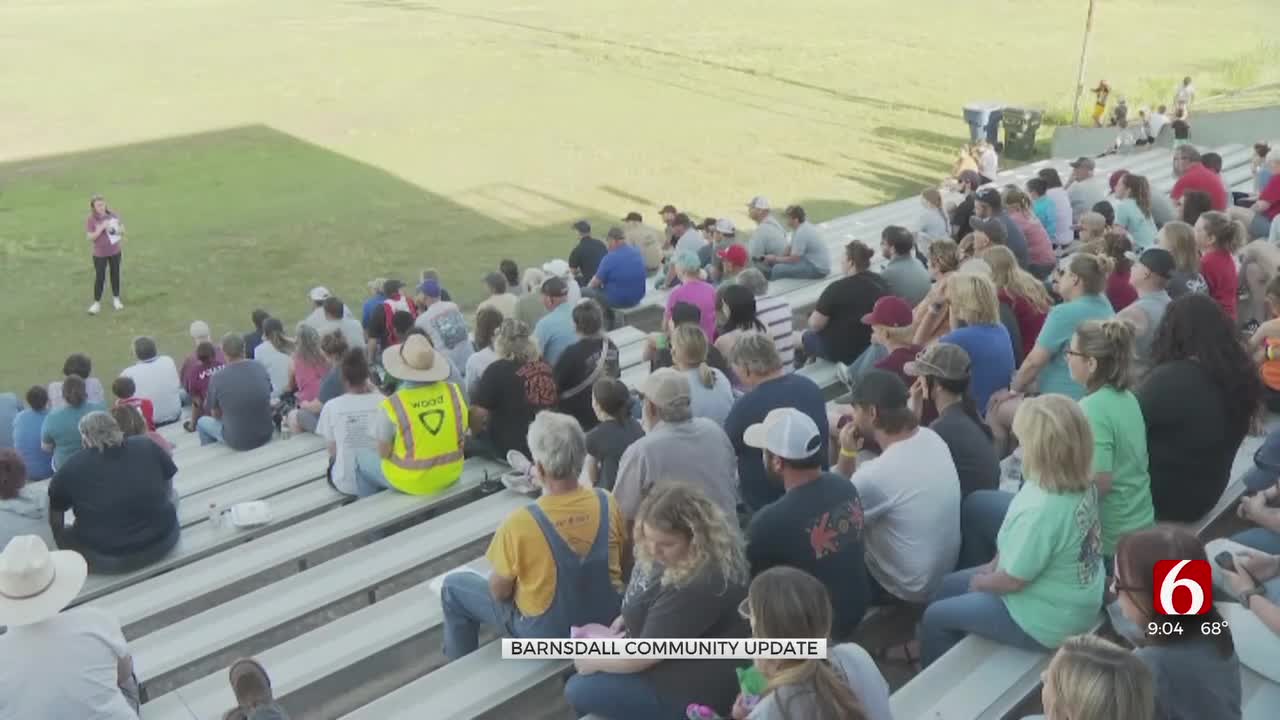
(1092, 226)
(932, 196)
(1057, 444)
(973, 299)
(1224, 231)
(1008, 276)
(1092, 270)
(944, 255)
(714, 540)
(689, 347)
(1094, 679)
(1179, 239)
(1110, 344)
(512, 342)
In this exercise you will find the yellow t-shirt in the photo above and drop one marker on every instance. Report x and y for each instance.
(520, 551)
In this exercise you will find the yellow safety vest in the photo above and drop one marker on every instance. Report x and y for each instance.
(431, 423)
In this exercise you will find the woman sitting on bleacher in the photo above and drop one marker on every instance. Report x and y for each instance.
(1046, 580)
(24, 507)
(711, 395)
(334, 346)
(690, 575)
(556, 563)
(1094, 679)
(1197, 673)
(274, 353)
(1198, 402)
(121, 491)
(1100, 356)
(788, 603)
(932, 317)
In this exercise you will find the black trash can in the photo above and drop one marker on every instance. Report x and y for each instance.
(1020, 126)
(983, 119)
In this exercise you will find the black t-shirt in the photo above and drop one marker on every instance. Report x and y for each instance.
(513, 395)
(844, 302)
(576, 369)
(1191, 442)
(606, 442)
(817, 528)
(1181, 129)
(960, 218)
(971, 449)
(120, 496)
(586, 256)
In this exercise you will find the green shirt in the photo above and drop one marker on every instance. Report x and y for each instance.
(1120, 448)
(1055, 337)
(1052, 542)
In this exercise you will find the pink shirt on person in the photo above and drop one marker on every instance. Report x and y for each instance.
(1039, 246)
(700, 294)
(308, 378)
(102, 245)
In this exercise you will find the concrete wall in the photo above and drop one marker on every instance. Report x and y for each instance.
(1221, 128)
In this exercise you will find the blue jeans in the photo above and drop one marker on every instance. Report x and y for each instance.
(209, 429)
(813, 345)
(619, 697)
(468, 604)
(1260, 227)
(369, 477)
(981, 515)
(802, 269)
(1260, 539)
(954, 612)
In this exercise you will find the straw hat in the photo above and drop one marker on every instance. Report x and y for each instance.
(36, 584)
(415, 360)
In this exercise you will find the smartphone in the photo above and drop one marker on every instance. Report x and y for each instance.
(1225, 561)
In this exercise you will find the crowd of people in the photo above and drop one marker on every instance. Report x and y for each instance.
(1046, 386)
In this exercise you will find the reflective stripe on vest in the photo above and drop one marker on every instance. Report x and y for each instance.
(410, 461)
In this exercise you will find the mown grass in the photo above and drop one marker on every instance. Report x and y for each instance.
(258, 148)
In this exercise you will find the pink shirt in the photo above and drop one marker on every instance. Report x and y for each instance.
(1039, 246)
(102, 246)
(700, 294)
(308, 379)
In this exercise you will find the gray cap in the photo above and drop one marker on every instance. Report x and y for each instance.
(667, 388)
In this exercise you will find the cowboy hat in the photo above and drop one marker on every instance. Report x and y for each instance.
(415, 360)
(36, 584)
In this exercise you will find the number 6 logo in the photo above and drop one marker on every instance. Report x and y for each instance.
(1194, 577)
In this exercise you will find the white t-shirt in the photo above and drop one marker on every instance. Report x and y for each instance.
(277, 365)
(911, 506)
(476, 365)
(157, 380)
(348, 422)
(989, 163)
(64, 668)
(1155, 123)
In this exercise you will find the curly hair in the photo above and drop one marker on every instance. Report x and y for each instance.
(512, 342)
(715, 543)
(1195, 327)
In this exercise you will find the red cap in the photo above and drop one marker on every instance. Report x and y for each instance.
(734, 254)
(889, 311)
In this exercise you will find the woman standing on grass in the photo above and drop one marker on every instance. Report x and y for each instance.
(105, 230)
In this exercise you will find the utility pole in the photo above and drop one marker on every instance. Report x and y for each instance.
(1084, 56)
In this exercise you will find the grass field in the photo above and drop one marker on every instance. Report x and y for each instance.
(258, 148)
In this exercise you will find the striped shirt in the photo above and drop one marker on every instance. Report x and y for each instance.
(776, 315)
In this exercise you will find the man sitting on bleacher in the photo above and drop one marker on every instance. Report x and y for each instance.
(422, 427)
(557, 563)
(239, 401)
(806, 256)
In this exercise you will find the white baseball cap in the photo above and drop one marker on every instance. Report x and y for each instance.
(787, 433)
(558, 268)
(724, 226)
(319, 294)
(200, 329)
(759, 202)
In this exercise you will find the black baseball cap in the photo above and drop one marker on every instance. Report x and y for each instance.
(991, 227)
(990, 196)
(881, 389)
(1159, 261)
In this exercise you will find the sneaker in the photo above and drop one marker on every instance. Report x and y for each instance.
(115, 302)
(250, 684)
(94, 308)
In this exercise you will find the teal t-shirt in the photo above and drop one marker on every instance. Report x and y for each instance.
(1141, 227)
(1053, 542)
(1055, 338)
(62, 429)
(1120, 448)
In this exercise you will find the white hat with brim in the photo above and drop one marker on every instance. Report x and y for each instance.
(415, 360)
(36, 584)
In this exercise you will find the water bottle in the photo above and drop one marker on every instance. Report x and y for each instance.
(215, 516)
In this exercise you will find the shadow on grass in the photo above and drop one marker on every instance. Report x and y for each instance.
(222, 222)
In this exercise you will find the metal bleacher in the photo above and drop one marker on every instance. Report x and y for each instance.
(329, 586)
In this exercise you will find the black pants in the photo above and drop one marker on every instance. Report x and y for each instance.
(100, 265)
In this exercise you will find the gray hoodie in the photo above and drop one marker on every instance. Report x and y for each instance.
(26, 514)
